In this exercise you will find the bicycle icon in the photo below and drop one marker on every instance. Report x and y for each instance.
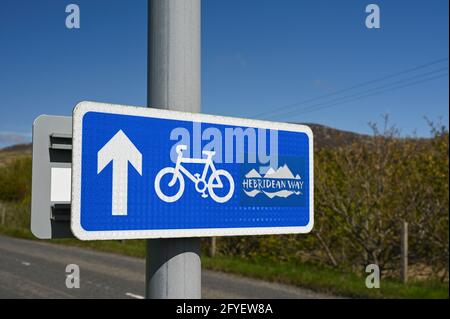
(201, 186)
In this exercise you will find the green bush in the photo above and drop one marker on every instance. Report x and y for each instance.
(15, 180)
(363, 193)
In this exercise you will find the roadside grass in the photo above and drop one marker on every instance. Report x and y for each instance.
(10, 156)
(325, 280)
(314, 277)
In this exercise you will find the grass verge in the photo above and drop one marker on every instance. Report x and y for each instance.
(325, 280)
(310, 276)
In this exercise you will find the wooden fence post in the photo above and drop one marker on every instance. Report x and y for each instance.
(212, 248)
(404, 252)
(3, 213)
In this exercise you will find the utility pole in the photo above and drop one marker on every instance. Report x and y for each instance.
(173, 266)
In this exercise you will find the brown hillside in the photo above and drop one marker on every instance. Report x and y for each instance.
(327, 137)
(324, 137)
(11, 152)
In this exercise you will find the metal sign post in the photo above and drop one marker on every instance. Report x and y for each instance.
(173, 266)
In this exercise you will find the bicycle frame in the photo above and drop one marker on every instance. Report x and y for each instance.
(180, 168)
(203, 186)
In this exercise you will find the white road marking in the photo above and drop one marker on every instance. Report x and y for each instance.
(129, 294)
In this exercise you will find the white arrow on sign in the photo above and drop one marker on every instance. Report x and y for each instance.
(120, 150)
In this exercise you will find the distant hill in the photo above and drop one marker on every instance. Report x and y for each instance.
(324, 137)
(11, 152)
(18, 148)
(327, 137)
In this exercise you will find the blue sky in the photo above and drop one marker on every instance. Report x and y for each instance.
(257, 56)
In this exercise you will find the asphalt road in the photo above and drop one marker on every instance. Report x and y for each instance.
(31, 269)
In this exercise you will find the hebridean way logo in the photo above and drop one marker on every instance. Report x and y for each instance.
(274, 183)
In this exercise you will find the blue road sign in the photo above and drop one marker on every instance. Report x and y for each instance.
(151, 173)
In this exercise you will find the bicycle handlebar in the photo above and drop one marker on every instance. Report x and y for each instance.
(180, 148)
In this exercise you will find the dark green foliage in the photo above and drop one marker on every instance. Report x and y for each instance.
(15, 180)
(363, 192)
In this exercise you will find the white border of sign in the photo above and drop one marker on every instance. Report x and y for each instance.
(83, 107)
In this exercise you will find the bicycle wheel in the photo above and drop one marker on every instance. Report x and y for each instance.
(159, 192)
(211, 187)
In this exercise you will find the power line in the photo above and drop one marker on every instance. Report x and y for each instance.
(369, 95)
(364, 92)
(293, 105)
(380, 92)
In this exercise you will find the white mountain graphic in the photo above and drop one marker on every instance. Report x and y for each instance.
(253, 174)
(252, 193)
(283, 193)
(282, 172)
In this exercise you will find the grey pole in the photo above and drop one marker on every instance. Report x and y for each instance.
(173, 268)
